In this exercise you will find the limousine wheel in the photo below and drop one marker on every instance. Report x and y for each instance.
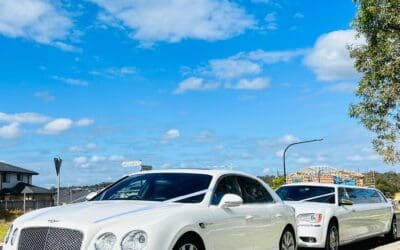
(392, 235)
(287, 240)
(189, 243)
(332, 238)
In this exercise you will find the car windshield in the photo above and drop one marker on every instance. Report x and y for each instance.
(307, 193)
(158, 187)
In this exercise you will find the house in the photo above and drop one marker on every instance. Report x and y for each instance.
(16, 188)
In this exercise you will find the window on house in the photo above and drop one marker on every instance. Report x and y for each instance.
(19, 177)
(6, 177)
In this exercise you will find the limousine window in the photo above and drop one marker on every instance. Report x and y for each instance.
(307, 193)
(158, 187)
(360, 195)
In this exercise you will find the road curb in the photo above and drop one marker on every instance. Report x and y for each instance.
(392, 246)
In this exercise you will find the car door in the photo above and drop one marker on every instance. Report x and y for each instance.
(351, 217)
(229, 228)
(266, 223)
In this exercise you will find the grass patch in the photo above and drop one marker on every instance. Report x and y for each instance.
(3, 230)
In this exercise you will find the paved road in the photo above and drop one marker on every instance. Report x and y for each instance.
(362, 245)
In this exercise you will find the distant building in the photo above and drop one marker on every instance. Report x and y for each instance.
(326, 174)
(16, 184)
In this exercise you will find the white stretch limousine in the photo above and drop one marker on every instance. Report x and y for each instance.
(333, 215)
(170, 209)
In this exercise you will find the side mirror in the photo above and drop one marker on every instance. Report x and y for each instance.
(90, 196)
(346, 202)
(230, 200)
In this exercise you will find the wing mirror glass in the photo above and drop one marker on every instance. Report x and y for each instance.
(91, 196)
(346, 202)
(230, 200)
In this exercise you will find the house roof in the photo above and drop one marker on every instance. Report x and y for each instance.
(22, 187)
(5, 167)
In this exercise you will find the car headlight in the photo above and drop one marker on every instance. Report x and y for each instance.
(312, 217)
(8, 234)
(134, 240)
(105, 241)
(14, 236)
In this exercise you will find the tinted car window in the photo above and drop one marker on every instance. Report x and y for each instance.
(253, 191)
(157, 187)
(227, 185)
(360, 195)
(307, 193)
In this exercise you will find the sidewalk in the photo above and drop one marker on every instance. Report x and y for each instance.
(392, 246)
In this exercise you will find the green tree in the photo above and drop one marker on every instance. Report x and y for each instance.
(378, 61)
(277, 182)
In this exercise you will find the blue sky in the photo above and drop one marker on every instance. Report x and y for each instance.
(177, 83)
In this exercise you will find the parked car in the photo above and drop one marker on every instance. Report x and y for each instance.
(332, 215)
(170, 209)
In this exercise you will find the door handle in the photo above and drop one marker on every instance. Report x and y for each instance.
(249, 217)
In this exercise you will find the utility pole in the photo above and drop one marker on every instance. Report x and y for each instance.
(290, 145)
(57, 164)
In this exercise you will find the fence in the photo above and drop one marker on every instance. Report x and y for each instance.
(29, 205)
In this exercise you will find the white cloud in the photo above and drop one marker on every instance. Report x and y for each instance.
(83, 148)
(237, 68)
(116, 158)
(81, 161)
(298, 15)
(287, 139)
(71, 81)
(266, 171)
(57, 126)
(151, 21)
(303, 160)
(329, 59)
(60, 125)
(97, 158)
(279, 153)
(84, 122)
(204, 136)
(231, 68)
(341, 87)
(23, 118)
(171, 134)
(114, 72)
(37, 20)
(355, 157)
(10, 131)
(44, 96)
(270, 18)
(194, 83)
(260, 83)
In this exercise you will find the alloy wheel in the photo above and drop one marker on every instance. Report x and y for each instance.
(333, 239)
(287, 242)
(188, 246)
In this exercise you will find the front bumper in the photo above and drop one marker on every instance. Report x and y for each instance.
(310, 235)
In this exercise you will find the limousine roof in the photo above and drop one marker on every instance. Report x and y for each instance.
(323, 185)
(213, 172)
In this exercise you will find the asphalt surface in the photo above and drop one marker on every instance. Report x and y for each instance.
(362, 245)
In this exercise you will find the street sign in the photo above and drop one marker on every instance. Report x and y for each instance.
(57, 164)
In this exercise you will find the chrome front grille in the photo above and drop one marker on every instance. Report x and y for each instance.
(50, 238)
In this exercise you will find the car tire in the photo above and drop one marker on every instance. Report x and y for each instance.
(332, 237)
(288, 240)
(189, 243)
(392, 234)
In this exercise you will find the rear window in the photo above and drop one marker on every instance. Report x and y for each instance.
(307, 193)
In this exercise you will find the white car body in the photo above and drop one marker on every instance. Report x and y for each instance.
(355, 222)
(247, 226)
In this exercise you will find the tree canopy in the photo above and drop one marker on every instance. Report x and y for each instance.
(378, 62)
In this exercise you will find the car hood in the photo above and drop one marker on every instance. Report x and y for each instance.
(309, 207)
(94, 212)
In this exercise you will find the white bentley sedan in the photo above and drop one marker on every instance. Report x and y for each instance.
(169, 209)
(330, 215)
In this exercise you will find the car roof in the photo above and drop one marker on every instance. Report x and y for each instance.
(212, 172)
(316, 184)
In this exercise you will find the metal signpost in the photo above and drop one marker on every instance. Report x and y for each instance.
(287, 147)
(57, 164)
